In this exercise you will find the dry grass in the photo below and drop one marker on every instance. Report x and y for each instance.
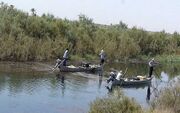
(168, 99)
(117, 103)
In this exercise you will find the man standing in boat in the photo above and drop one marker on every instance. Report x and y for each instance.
(102, 57)
(151, 66)
(65, 57)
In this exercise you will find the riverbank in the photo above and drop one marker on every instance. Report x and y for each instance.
(46, 66)
(76, 60)
(141, 59)
(7, 66)
(162, 58)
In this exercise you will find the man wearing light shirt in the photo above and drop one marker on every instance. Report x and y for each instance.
(65, 57)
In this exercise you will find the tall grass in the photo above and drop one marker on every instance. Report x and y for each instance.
(26, 48)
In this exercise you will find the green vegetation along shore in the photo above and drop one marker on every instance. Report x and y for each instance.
(29, 37)
(166, 101)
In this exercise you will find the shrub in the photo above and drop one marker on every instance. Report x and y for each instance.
(168, 99)
(117, 103)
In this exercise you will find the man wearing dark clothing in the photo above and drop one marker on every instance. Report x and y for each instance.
(151, 67)
(65, 57)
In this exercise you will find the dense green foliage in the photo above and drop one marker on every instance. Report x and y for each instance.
(26, 36)
(117, 103)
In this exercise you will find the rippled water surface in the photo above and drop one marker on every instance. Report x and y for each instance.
(47, 92)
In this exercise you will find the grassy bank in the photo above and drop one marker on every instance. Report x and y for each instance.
(167, 101)
(161, 58)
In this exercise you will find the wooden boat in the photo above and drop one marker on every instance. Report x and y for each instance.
(90, 68)
(84, 67)
(117, 78)
(134, 81)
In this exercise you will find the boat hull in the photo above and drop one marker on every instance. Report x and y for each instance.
(80, 69)
(128, 82)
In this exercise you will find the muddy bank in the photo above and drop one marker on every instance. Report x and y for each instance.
(26, 66)
(10, 66)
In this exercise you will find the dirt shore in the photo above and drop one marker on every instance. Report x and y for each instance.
(25, 66)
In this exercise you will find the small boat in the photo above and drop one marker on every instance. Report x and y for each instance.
(90, 68)
(118, 79)
(84, 67)
(134, 81)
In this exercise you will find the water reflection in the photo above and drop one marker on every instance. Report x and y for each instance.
(60, 78)
(100, 73)
(148, 94)
(66, 92)
(100, 81)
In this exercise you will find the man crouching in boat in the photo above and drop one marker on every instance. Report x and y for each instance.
(58, 64)
(113, 76)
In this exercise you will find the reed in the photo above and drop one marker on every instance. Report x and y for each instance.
(25, 36)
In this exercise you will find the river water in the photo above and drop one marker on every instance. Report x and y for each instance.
(29, 91)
